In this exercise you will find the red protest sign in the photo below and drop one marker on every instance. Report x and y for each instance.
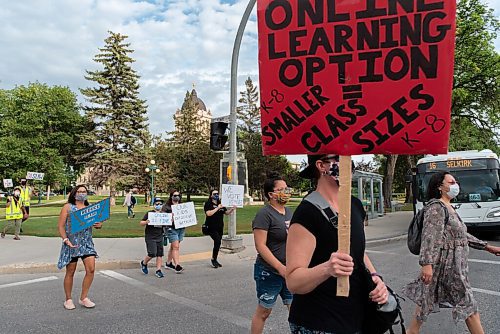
(355, 77)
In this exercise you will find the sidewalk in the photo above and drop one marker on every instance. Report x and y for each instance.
(35, 254)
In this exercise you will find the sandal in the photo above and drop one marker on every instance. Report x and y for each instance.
(3, 235)
(86, 303)
(17, 238)
(69, 305)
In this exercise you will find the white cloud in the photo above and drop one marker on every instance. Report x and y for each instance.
(176, 42)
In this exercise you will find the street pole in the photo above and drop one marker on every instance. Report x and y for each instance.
(232, 241)
(152, 186)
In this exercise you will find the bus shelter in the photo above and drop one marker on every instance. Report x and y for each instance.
(368, 188)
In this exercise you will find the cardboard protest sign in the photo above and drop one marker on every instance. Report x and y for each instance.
(159, 218)
(34, 176)
(7, 183)
(183, 215)
(355, 77)
(88, 216)
(232, 195)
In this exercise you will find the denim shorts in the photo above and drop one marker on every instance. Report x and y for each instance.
(175, 234)
(296, 329)
(269, 285)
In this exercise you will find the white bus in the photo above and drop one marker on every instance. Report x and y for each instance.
(478, 174)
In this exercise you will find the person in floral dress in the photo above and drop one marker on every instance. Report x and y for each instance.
(76, 246)
(444, 278)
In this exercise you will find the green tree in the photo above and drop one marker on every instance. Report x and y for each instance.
(120, 135)
(475, 110)
(248, 112)
(40, 132)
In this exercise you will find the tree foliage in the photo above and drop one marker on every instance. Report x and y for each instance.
(40, 131)
(248, 110)
(120, 135)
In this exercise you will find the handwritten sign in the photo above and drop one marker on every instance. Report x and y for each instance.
(232, 195)
(355, 77)
(88, 216)
(7, 183)
(34, 176)
(184, 215)
(160, 218)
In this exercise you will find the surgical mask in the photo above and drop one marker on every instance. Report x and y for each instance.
(215, 197)
(176, 198)
(81, 197)
(282, 197)
(158, 207)
(17, 193)
(454, 191)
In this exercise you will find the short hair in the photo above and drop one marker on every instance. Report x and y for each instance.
(434, 183)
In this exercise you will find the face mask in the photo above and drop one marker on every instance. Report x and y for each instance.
(454, 191)
(81, 197)
(176, 198)
(158, 207)
(23, 183)
(282, 197)
(17, 193)
(215, 197)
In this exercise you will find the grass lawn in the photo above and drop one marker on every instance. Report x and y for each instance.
(43, 220)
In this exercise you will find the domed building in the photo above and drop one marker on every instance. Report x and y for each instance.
(204, 115)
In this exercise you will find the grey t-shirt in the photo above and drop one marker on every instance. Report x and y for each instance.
(276, 226)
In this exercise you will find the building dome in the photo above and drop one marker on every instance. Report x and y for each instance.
(196, 101)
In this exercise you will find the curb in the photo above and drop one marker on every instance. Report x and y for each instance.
(385, 241)
(38, 268)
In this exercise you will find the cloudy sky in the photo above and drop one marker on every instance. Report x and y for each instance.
(177, 43)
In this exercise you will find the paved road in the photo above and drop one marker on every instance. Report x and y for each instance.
(204, 300)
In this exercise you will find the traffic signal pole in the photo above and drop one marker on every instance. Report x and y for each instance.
(233, 242)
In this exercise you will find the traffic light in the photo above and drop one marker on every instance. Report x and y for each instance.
(217, 135)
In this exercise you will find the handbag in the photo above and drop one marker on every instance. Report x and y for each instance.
(204, 229)
(379, 319)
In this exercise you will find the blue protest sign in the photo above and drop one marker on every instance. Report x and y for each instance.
(88, 216)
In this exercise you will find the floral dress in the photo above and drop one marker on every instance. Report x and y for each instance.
(82, 238)
(446, 248)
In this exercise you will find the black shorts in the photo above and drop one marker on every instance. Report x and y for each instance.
(83, 257)
(27, 208)
(154, 248)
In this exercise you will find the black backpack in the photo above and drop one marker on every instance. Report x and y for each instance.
(417, 224)
(133, 200)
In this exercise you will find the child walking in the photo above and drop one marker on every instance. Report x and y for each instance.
(154, 240)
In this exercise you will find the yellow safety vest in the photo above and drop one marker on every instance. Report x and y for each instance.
(26, 195)
(13, 211)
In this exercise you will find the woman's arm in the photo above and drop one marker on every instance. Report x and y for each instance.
(260, 238)
(475, 242)
(432, 234)
(61, 225)
(300, 278)
(212, 212)
(229, 211)
(379, 294)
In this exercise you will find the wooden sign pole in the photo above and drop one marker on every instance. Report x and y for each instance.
(344, 226)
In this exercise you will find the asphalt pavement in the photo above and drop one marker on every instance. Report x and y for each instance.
(37, 254)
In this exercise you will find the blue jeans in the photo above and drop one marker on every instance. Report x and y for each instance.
(269, 285)
(175, 234)
(130, 211)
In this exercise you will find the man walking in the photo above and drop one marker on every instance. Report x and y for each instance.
(14, 213)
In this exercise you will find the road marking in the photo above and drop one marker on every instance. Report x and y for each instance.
(489, 292)
(484, 261)
(380, 252)
(37, 280)
(207, 309)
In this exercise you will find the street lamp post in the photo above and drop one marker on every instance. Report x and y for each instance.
(152, 169)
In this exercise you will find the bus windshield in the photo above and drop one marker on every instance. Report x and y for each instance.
(475, 185)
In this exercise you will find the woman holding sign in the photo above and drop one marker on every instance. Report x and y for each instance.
(313, 261)
(174, 235)
(76, 246)
(214, 220)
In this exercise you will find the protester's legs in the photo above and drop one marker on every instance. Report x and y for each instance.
(415, 324)
(27, 209)
(68, 279)
(17, 224)
(159, 254)
(89, 263)
(9, 224)
(129, 211)
(259, 319)
(217, 238)
(474, 324)
(173, 254)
